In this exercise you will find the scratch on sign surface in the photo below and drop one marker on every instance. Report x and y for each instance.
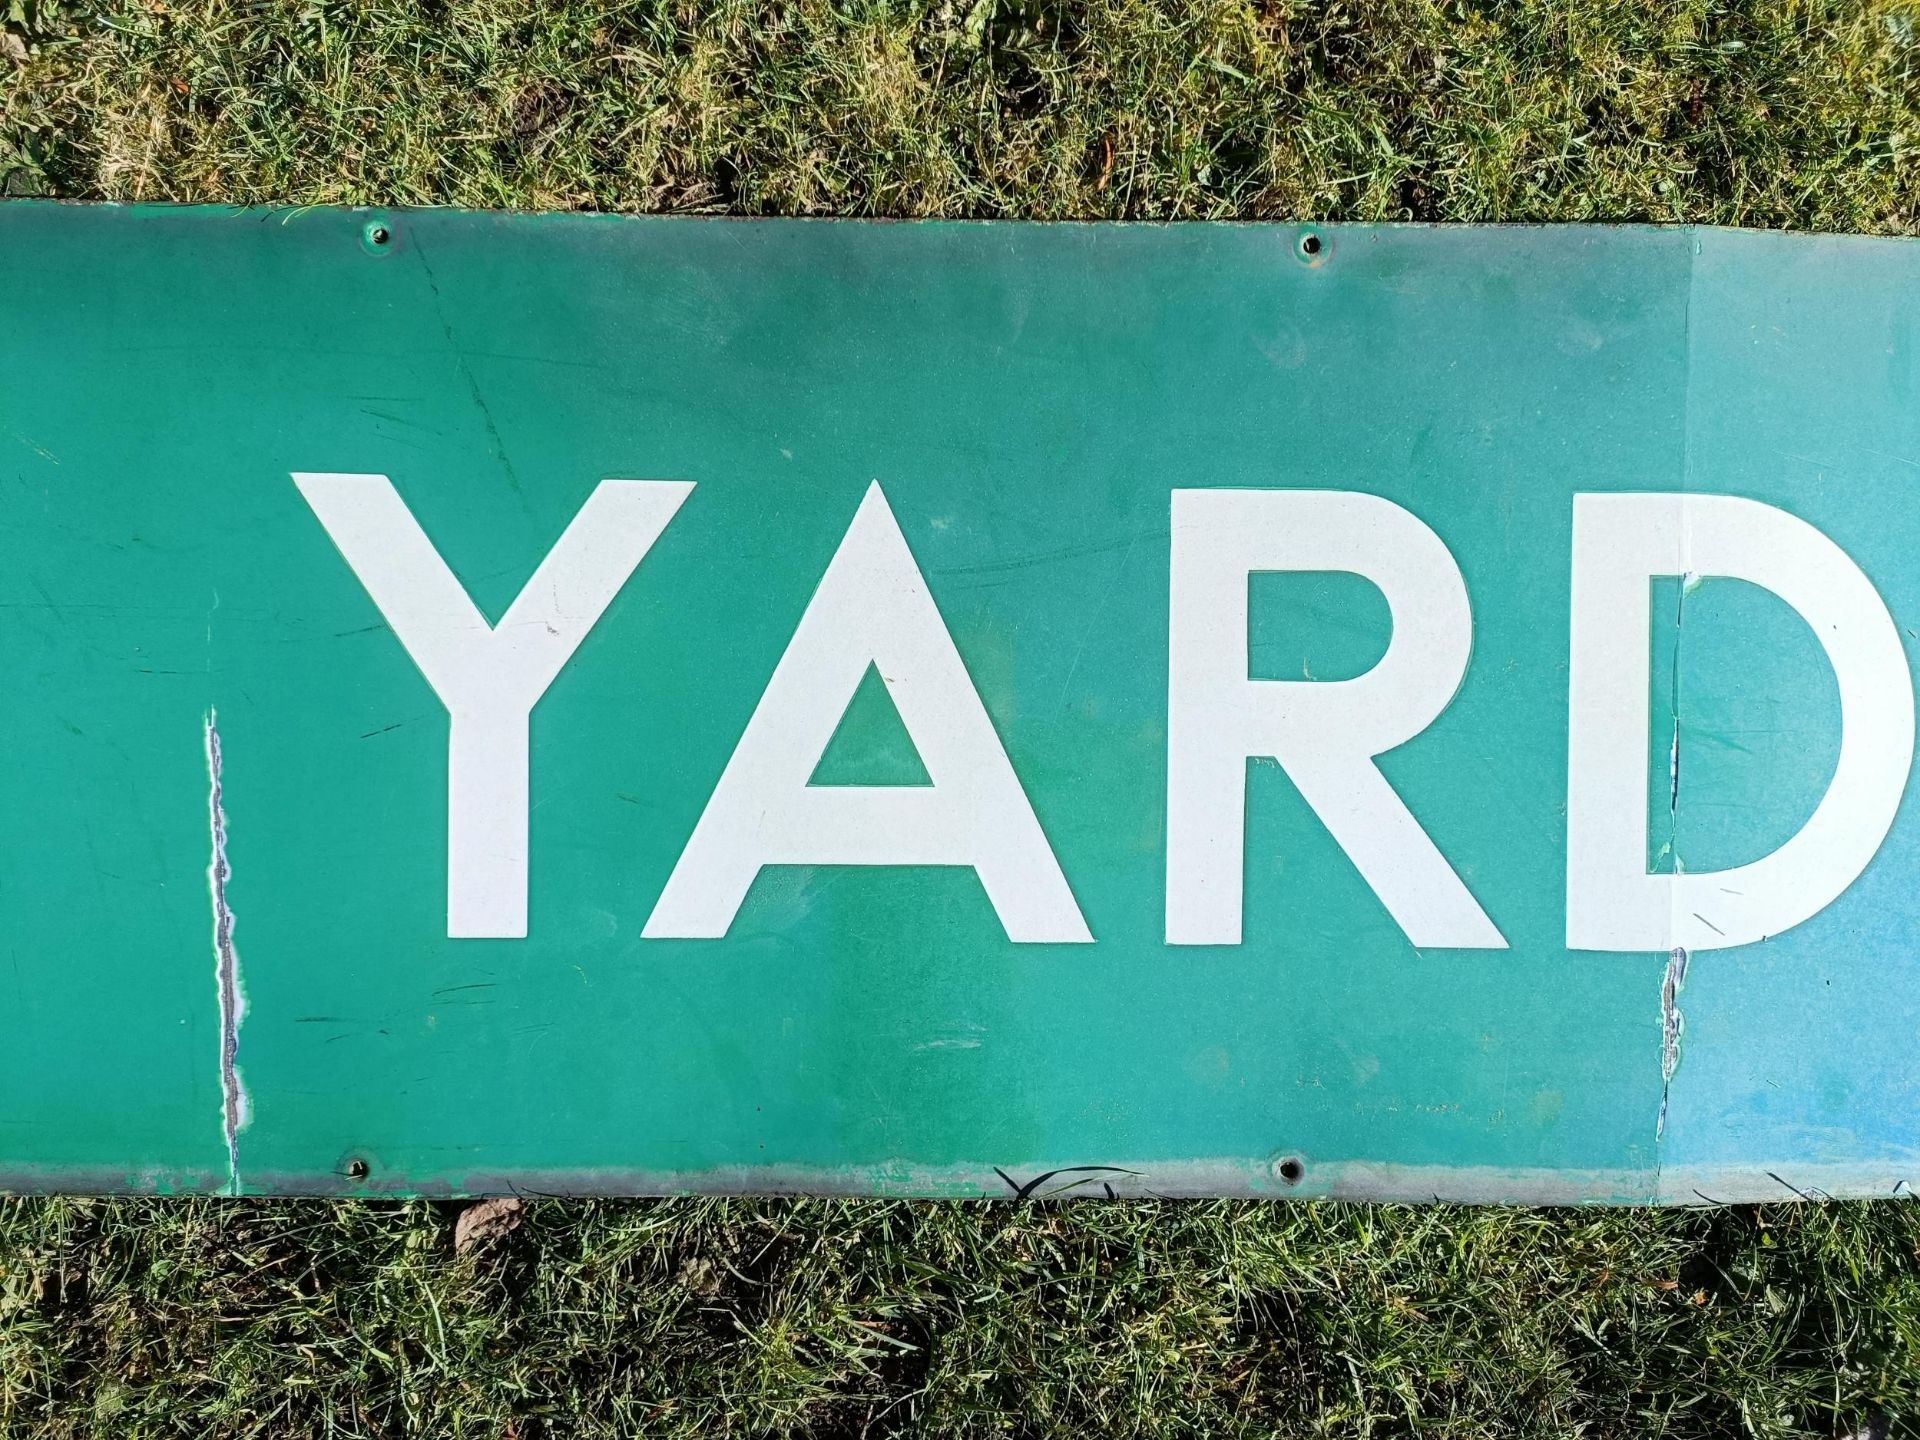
(226, 964)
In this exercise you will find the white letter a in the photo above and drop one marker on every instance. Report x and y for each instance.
(872, 609)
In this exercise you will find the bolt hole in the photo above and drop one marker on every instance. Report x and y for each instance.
(1291, 1170)
(1309, 244)
(356, 1169)
(378, 235)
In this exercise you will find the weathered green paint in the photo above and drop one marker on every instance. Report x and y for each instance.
(1027, 396)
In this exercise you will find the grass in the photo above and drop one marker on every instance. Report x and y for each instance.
(1781, 113)
(750, 1318)
(702, 1317)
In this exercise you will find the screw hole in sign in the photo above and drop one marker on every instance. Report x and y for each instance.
(377, 236)
(1290, 1170)
(1312, 247)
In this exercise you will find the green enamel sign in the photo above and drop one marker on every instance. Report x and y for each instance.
(619, 705)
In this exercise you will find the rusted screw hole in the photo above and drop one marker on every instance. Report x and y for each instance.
(356, 1169)
(1290, 1170)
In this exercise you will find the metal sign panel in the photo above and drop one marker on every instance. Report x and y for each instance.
(601, 704)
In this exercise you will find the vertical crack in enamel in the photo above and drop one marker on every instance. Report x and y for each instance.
(1672, 1025)
(226, 963)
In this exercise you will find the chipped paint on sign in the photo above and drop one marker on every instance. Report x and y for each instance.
(226, 963)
